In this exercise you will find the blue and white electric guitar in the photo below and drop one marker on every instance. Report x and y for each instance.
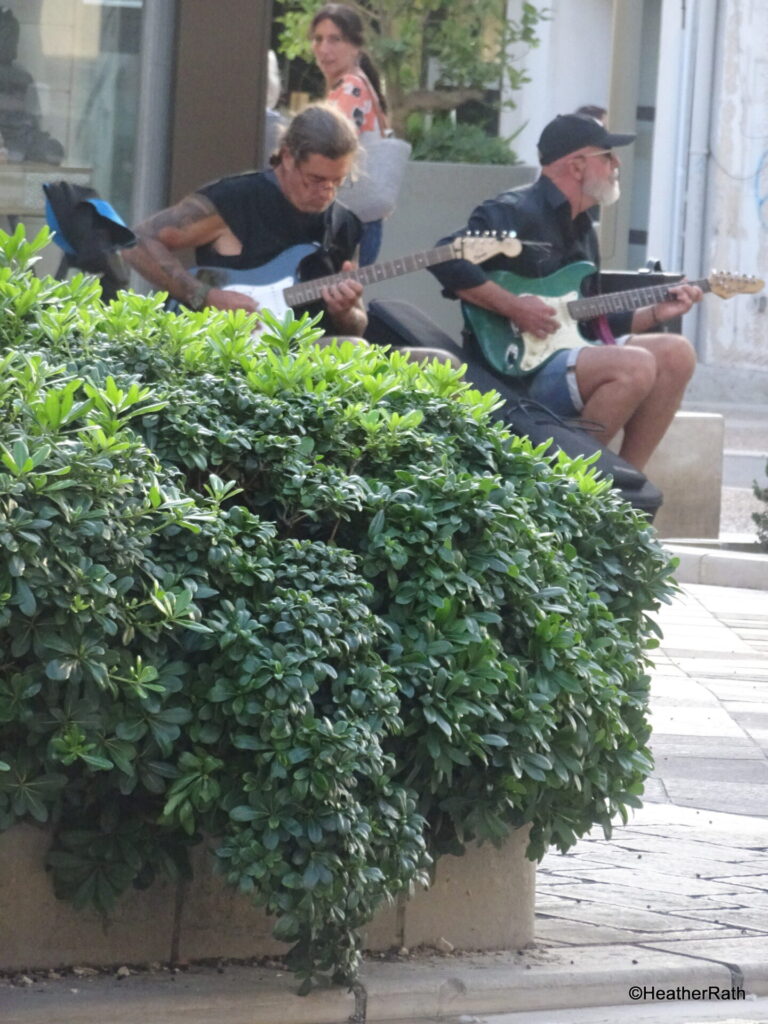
(274, 286)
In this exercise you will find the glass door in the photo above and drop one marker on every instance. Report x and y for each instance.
(69, 97)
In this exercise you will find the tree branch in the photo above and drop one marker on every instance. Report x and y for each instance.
(439, 99)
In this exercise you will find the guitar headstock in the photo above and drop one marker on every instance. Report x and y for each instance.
(477, 247)
(725, 285)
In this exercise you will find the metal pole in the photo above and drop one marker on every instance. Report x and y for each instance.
(264, 25)
(158, 30)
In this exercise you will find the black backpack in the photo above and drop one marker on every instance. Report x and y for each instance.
(90, 232)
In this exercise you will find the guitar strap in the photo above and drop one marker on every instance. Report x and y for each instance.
(331, 250)
(603, 330)
(339, 237)
(332, 227)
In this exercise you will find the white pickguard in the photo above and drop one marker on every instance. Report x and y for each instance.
(269, 296)
(566, 336)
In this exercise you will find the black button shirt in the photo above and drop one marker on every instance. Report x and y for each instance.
(541, 217)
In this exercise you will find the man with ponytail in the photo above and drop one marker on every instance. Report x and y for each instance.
(244, 221)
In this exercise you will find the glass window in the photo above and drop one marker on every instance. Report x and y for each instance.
(69, 95)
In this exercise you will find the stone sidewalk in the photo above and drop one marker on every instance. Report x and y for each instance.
(688, 875)
(675, 902)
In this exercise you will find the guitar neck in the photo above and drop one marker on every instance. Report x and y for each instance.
(310, 291)
(624, 302)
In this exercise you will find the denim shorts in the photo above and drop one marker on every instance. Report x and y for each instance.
(554, 385)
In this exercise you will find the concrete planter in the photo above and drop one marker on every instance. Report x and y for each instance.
(483, 900)
(436, 199)
(720, 565)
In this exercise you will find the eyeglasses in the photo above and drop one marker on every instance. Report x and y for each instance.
(601, 152)
(317, 181)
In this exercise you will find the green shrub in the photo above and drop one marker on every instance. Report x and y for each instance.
(445, 140)
(311, 602)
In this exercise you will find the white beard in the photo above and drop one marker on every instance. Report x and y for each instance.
(604, 193)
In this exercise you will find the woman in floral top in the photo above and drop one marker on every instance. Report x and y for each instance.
(353, 84)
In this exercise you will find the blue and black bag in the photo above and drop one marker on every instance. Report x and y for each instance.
(90, 232)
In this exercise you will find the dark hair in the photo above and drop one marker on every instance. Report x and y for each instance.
(350, 24)
(319, 128)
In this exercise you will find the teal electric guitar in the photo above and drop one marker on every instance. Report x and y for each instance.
(518, 353)
(277, 285)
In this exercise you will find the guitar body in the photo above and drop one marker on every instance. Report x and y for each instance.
(517, 353)
(265, 284)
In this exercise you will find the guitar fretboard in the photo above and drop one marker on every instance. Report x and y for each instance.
(310, 291)
(624, 302)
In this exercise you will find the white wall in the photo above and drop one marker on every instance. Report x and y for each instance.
(570, 67)
(737, 184)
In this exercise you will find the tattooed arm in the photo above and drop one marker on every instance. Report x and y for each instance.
(190, 223)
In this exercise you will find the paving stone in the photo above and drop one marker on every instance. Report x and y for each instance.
(672, 860)
(758, 882)
(673, 744)
(735, 797)
(734, 836)
(728, 664)
(732, 646)
(662, 670)
(579, 934)
(747, 949)
(760, 738)
(623, 895)
(756, 716)
(635, 920)
(737, 689)
(753, 918)
(652, 881)
(583, 933)
(749, 897)
(712, 769)
(738, 836)
(737, 600)
(712, 931)
(579, 878)
(694, 721)
(670, 692)
(654, 790)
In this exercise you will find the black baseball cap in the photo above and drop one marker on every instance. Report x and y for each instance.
(569, 132)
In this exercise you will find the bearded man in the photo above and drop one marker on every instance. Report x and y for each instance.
(635, 375)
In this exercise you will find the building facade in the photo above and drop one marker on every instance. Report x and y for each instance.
(691, 78)
(141, 99)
